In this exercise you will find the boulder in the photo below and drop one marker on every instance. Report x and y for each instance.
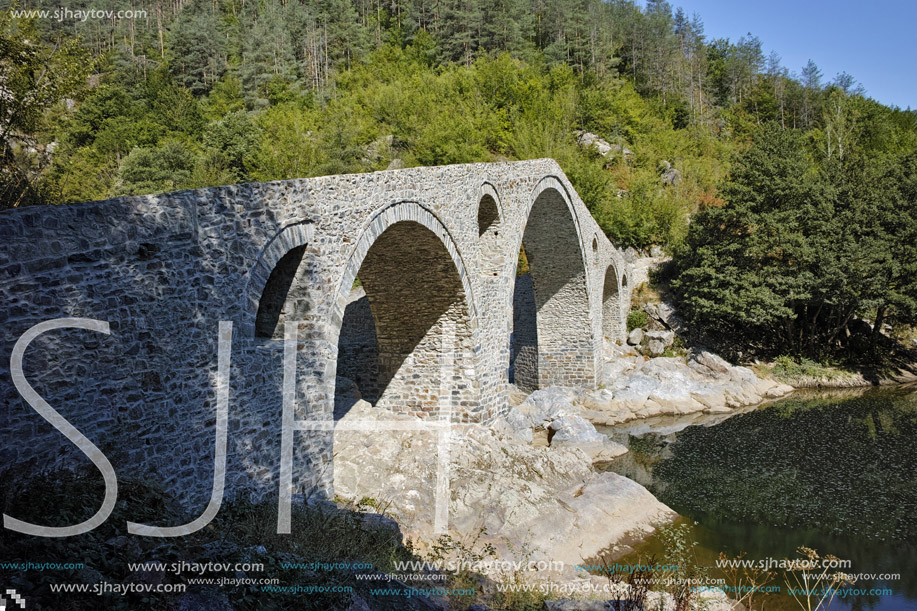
(635, 337)
(549, 499)
(666, 314)
(670, 176)
(540, 407)
(658, 341)
(708, 363)
(515, 428)
(590, 140)
(637, 389)
(596, 399)
(570, 429)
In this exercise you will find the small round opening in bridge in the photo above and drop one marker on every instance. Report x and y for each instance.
(595, 244)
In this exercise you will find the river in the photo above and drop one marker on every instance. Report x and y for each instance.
(835, 471)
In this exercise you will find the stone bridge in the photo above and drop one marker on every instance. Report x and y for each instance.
(403, 282)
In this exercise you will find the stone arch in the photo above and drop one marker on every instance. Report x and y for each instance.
(415, 292)
(612, 313)
(490, 224)
(564, 351)
(272, 278)
(488, 215)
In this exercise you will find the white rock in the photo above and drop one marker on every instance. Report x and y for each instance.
(635, 337)
(570, 429)
(637, 389)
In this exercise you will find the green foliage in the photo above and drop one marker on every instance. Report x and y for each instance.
(198, 53)
(789, 370)
(35, 78)
(153, 170)
(805, 243)
(232, 140)
(325, 81)
(679, 545)
(636, 319)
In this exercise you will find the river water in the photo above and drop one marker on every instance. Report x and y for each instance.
(833, 471)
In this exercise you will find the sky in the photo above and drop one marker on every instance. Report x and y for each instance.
(874, 41)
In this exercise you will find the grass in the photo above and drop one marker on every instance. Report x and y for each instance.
(645, 293)
(789, 370)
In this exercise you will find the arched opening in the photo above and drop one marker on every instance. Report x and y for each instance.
(488, 215)
(405, 341)
(358, 348)
(557, 350)
(523, 359)
(283, 298)
(489, 231)
(612, 324)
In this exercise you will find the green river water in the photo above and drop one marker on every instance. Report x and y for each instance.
(834, 471)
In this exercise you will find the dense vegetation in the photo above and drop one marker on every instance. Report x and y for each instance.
(799, 241)
(804, 247)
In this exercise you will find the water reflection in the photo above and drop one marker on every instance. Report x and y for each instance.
(833, 471)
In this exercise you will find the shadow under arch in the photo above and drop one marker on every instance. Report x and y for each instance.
(552, 342)
(613, 320)
(405, 331)
(272, 278)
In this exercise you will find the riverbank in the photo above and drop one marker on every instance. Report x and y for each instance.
(700, 382)
(527, 491)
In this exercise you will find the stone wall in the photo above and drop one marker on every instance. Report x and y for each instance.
(163, 270)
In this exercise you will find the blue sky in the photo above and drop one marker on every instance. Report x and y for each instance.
(875, 41)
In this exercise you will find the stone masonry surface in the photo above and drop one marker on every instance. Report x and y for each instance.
(430, 335)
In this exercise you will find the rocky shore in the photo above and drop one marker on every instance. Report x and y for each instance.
(531, 484)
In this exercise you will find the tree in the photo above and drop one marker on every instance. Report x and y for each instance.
(198, 57)
(763, 267)
(233, 140)
(811, 85)
(155, 170)
(268, 56)
(33, 78)
(880, 195)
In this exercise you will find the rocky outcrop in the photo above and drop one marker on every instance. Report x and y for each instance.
(670, 176)
(549, 499)
(658, 341)
(552, 410)
(601, 146)
(637, 387)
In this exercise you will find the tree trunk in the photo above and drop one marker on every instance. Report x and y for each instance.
(877, 326)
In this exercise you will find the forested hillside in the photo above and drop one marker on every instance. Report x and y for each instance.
(194, 93)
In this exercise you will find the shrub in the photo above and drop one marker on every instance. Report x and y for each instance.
(635, 319)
